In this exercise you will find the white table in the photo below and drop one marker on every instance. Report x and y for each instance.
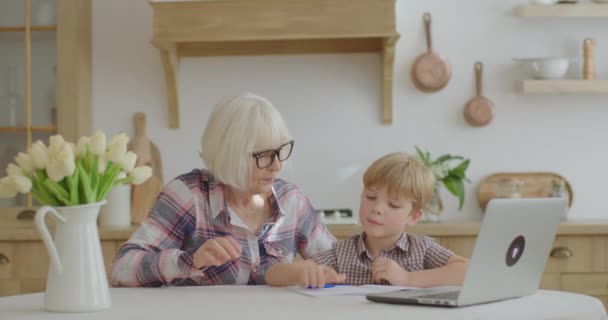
(262, 302)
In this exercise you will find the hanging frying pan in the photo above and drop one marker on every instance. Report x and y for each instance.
(430, 72)
(479, 111)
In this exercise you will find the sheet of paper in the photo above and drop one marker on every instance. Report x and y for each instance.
(342, 290)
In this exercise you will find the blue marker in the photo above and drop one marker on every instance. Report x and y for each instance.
(330, 285)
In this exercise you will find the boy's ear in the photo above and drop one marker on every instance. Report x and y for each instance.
(415, 216)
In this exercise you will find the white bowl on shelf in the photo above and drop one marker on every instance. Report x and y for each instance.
(546, 67)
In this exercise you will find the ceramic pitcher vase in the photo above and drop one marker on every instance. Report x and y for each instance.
(77, 279)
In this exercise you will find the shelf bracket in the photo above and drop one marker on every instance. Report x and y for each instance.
(170, 60)
(388, 58)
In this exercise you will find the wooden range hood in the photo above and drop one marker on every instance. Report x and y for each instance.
(256, 27)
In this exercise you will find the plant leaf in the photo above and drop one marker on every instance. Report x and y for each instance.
(446, 157)
(456, 187)
(459, 171)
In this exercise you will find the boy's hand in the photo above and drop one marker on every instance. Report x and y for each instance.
(316, 276)
(390, 271)
(216, 252)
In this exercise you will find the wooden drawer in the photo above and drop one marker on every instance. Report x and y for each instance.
(579, 254)
(595, 284)
(550, 281)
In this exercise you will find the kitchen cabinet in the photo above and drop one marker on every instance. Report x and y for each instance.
(578, 261)
(45, 76)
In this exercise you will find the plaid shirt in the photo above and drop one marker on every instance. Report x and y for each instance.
(190, 210)
(412, 252)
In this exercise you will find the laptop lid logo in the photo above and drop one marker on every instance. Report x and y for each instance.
(516, 249)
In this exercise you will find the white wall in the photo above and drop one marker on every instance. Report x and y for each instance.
(331, 102)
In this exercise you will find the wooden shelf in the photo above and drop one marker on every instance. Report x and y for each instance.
(33, 28)
(564, 86)
(244, 27)
(49, 129)
(564, 10)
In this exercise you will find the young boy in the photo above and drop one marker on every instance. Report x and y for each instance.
(396, 188)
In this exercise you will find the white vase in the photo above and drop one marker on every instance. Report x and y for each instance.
(117, 211)
(77, 279)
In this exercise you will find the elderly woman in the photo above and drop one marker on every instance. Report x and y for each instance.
(230, 223)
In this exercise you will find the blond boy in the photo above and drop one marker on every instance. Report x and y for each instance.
(396, 188)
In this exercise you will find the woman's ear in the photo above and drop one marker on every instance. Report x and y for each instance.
(415, 215)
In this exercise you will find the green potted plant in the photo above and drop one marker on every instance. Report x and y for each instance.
(451, 176)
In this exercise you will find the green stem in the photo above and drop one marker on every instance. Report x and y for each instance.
(57, 190)
(107, 180)
(85, 183)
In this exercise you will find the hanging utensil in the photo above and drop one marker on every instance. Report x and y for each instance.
(479, 111)
(430, 72)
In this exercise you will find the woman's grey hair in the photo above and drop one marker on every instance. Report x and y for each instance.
(238, 127)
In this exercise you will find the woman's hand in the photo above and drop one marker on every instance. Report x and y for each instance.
(389, 270)
(216, 252)
(316, 276)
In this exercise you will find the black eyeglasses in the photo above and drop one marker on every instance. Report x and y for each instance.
(265, 159)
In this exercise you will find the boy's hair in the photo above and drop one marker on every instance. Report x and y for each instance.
(403, 175)
(238, 127)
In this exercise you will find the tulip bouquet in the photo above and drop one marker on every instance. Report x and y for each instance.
(64, 174)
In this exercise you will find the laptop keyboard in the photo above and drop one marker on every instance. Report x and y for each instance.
(450, 295)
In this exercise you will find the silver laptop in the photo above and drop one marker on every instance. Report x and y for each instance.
(510, 253)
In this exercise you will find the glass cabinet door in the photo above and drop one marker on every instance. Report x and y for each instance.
(27, 80)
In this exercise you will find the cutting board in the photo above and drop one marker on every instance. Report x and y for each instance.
(143, 199)
(523, 184)
(144, 195)
(146, 150)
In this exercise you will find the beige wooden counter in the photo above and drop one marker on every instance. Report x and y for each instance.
(578, 262)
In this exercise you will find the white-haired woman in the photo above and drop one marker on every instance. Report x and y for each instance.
(229, 223)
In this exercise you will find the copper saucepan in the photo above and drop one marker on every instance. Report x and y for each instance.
(479, 111)
(430, 72)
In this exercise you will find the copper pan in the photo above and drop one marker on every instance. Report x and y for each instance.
(479, 111)
(430, 72)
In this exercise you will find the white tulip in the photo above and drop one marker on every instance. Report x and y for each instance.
(122, 175)
(62, 165)
(22, 184)
(141, 174)
(7, 188)
(128, 161)
(98, 143)
(67, 158)
(121, 138)
(14, 170)
(56, 142)
(24, 161)
(83, 143)
(39, 155)
(116, 152)
(55, 171)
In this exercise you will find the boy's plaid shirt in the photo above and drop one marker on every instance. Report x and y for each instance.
(412, 252)
(191, 210)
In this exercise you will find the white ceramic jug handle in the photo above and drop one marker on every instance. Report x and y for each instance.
(46, 236)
